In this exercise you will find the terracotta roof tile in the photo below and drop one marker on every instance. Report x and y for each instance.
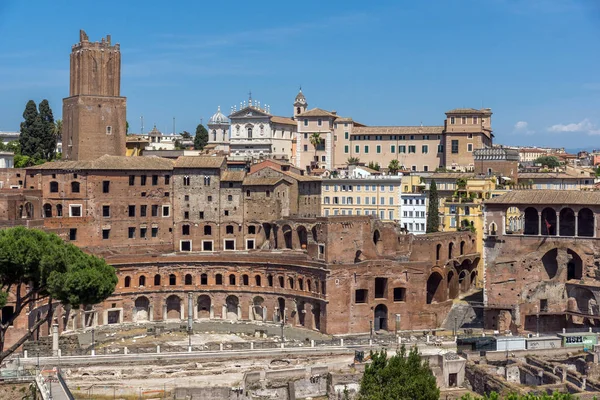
(283, 120)
(317, 112)
(233, 176)
(267, 181)
(199, 162)
(108, 162)
(483, 111)
(562, 197)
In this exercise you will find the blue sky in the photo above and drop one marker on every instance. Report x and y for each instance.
(534, 62)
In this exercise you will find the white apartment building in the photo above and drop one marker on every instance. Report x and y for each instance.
(414, 212)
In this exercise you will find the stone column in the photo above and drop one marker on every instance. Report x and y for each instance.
(264, 313)
(182, 310)
(275, 314)
(211, 312)
(151, 313)
(121, 312)
(239, 312)
(224, 312)
(196, 310)
(164, 312)
(54, 340)
(557, 224)
(576, 223)
(539, 224)
(250, 312)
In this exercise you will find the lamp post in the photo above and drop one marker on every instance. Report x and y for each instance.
(190, 320)
(537, 321)
(371, 329)
(282, 324)
(397, 324)
(93, 342)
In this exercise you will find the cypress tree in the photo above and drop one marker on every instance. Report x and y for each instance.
(201, 138)
(47, 133)
(28, 139)
(433, 216)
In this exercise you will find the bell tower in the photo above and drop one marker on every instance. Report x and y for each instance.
(300, 104)
(94, 114)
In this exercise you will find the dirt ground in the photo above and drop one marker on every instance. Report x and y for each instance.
(10, 391)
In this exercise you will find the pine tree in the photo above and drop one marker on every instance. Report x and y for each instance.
(47, 133)
(201, 138)
(433, 216)
(28, 139)
(401, 377)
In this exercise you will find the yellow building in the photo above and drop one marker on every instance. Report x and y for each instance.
(362, 194)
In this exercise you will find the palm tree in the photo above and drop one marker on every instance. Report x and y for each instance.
(57, 131)
(353, 161)
(394, 167)
(315, 140)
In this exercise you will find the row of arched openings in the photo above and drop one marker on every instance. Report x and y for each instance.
(282, 282)
(546, 223)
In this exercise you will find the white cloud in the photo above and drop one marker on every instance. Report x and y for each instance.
(585, 126)
(522, 127)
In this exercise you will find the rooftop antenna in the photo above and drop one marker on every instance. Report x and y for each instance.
(142, 121)
(250, 97)
(173, 125)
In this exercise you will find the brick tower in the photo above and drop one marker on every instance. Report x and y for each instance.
(94, 120)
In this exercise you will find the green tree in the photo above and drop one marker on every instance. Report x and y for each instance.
(374, 165)
(47, 134)
(353, 161)
(401, 377)
(39, 267)
(433, 216)
(315, 140)
(38, 131)
(201, 138)
(186, 135)
(548, 161)
(394, 167)
(58, 129)
(28, 138)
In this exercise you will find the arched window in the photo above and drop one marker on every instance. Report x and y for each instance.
(172, 280)
(53, 187)
(300, 284)
(127, 281)
(204, 279)
(142, 281)
(532, 221)
(59, 210)
(257, 280)
(462, 248)
(47, 210)
(438, 251)
(308, 285)
(232, 279)
(270, 280)
(207, 230)
(249, 133)
(245, 280)
(157, 280)
(74, 187)
(450, 248)
(281, 282)
(585, 222)
(218, 279)
(188, 279)
(291, 280)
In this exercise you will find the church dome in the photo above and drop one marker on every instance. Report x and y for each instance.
(218, 118)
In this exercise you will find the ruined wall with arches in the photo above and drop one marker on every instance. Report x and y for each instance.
(543, 268)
